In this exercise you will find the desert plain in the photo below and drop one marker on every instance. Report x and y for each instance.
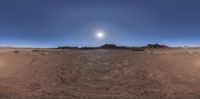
(169, 73)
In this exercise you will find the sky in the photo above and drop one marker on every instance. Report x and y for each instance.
(52, 23)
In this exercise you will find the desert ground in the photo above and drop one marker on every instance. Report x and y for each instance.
(172, 73)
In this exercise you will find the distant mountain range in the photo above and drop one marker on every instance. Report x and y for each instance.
(113, 46)
(108, 46)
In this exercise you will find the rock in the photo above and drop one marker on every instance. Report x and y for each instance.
(15, 52)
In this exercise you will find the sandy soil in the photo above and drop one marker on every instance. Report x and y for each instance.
(99, 74)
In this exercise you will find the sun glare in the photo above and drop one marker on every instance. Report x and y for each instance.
(100, 35)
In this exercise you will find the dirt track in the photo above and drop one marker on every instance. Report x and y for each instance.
(99, 74)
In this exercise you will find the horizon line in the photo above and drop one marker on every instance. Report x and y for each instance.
(118, 45)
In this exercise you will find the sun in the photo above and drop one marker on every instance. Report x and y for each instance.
(100, 35)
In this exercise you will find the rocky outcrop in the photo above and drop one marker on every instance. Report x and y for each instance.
(156, 46)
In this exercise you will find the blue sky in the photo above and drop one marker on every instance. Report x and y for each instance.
(52, 23)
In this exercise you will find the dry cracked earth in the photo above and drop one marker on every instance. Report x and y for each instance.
(99, 74)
